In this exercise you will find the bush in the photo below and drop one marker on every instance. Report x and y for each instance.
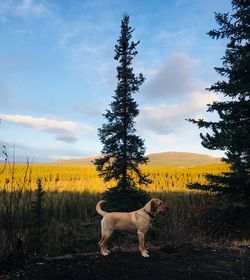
(230, 220)
(125, 200)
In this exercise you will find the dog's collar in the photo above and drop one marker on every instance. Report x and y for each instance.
(150, 215)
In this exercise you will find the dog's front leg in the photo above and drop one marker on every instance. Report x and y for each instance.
(144, 253)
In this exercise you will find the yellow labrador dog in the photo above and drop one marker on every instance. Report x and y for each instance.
(139, 220)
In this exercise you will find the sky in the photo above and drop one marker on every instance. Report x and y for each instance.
(58, 73)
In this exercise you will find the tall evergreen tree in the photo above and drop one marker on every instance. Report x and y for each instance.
(123, 151)
(231, 133)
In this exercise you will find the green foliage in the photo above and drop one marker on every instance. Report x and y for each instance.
(231, 132)
(123, 151)
(119, 199)
(231, 220)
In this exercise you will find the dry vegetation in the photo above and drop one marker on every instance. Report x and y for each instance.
(68, 219)
(82, 179)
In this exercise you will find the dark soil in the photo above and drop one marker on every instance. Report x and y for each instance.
(183, 262)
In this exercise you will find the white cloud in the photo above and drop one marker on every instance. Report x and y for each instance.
(23, 9)
(178, 95)
(63, 130)
(41, 153)
(174, 79)
(175, 94)
(165, 118)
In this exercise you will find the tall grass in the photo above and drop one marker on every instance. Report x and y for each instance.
(70, 195)
(81, 179)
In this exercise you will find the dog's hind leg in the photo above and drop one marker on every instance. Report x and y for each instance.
(102, 243)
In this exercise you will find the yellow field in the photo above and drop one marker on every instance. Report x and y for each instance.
(82, 179)
(70, 223)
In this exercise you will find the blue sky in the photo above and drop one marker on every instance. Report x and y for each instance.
(57, 73)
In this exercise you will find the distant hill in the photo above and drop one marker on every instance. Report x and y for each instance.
(181, 159)
(74, 161)
(166, 159)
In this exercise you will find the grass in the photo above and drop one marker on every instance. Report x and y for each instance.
(70, 222)
(81, 179)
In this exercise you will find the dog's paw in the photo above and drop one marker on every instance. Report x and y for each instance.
(104, 251)
(145, 254)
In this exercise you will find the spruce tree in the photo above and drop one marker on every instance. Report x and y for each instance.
(231, 133)
(38, 219)
(123, 151)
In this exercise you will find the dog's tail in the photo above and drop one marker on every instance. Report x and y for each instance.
(98, 208)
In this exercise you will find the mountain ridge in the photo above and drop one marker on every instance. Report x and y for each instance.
(163, 159)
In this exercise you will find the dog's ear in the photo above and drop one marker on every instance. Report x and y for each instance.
(153, 205)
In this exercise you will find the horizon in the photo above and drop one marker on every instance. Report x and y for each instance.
(147, 154)
(58, 73)
(31, 161)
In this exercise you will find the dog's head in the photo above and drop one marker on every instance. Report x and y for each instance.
(158, 207)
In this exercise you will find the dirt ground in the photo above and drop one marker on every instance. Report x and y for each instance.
(171, 263)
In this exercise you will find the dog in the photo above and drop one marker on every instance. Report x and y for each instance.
(139, 221)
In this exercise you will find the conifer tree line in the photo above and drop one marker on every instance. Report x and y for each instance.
(231, 133)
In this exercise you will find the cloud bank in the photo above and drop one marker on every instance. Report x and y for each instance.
(63, 130)
(175, 94)
(167, 118)
(174, 79)
(39, 153)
